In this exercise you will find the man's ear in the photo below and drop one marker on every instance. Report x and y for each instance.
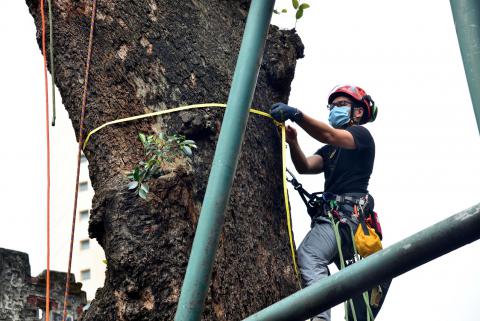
(358, 113)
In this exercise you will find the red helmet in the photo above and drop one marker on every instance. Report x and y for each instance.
(361, 98)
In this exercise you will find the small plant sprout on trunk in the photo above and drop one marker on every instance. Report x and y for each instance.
(160, 150)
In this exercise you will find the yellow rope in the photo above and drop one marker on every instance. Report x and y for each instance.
(255, 111)
(287, 205)
(167, 111)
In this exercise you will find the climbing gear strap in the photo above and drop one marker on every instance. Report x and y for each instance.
(365, 294)
(313, 202)
(346, 199)
(335, 225)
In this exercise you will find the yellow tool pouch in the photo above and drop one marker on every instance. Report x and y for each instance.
(367, 243)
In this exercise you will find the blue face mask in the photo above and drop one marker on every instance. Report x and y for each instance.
(339, 116)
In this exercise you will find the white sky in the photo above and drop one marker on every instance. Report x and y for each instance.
(405, 54)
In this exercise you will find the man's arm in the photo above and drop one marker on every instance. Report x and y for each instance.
(305, 165)
(326, 134)
(315, 128)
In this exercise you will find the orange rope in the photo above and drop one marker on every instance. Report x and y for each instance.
(47, 308)
(80, 139)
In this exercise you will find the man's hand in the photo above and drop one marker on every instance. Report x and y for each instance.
(281, 112)
(291, 134)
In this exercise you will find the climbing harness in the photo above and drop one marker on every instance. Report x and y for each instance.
(365, 241)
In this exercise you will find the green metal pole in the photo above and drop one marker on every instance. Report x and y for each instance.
(466, 14)
(418, 249)
(212, 215)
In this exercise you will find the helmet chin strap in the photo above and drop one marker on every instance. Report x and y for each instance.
(352, 117)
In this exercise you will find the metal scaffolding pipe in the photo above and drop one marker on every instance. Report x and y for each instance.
(212, 215)
(466, 14)
(418, 249)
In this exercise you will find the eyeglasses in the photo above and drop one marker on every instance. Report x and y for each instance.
(341, 103)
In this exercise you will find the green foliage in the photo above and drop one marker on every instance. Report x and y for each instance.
(299, 8)
(159, 151)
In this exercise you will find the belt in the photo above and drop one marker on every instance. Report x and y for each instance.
(360, 199)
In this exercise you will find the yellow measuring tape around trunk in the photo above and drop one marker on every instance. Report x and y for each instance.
(209, 105)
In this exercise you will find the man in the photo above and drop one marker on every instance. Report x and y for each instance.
(347, 162)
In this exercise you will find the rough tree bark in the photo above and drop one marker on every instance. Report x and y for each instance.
(149, 56)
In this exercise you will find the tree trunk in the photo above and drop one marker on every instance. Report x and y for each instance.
(153, 55)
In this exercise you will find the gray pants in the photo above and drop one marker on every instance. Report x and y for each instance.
(317, 251)
(319, 248)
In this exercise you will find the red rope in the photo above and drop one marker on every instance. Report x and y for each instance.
(80, 140)
(47, 309)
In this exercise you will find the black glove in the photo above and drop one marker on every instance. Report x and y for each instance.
(281, 112)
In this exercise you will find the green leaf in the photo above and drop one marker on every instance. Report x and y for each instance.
(284, 10)
(151, 161)
(187, 150)
(142, 138)
(144, 187)
(276, 11)
(104, 261)
(295, 4)
(189, 142)
(133, 185)
(304, 6)
(142, 175)
(149, 140)
(299, 14)
(136, 173)
(142, 194)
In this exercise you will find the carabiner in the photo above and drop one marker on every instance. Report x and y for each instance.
(293, 176)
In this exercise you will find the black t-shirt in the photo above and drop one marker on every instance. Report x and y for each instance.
(349, 170)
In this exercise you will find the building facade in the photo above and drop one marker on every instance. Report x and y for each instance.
(88, 262)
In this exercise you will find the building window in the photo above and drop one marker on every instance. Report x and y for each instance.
(84, 244)
(83, 215)
(85, 275)
(83, 186)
